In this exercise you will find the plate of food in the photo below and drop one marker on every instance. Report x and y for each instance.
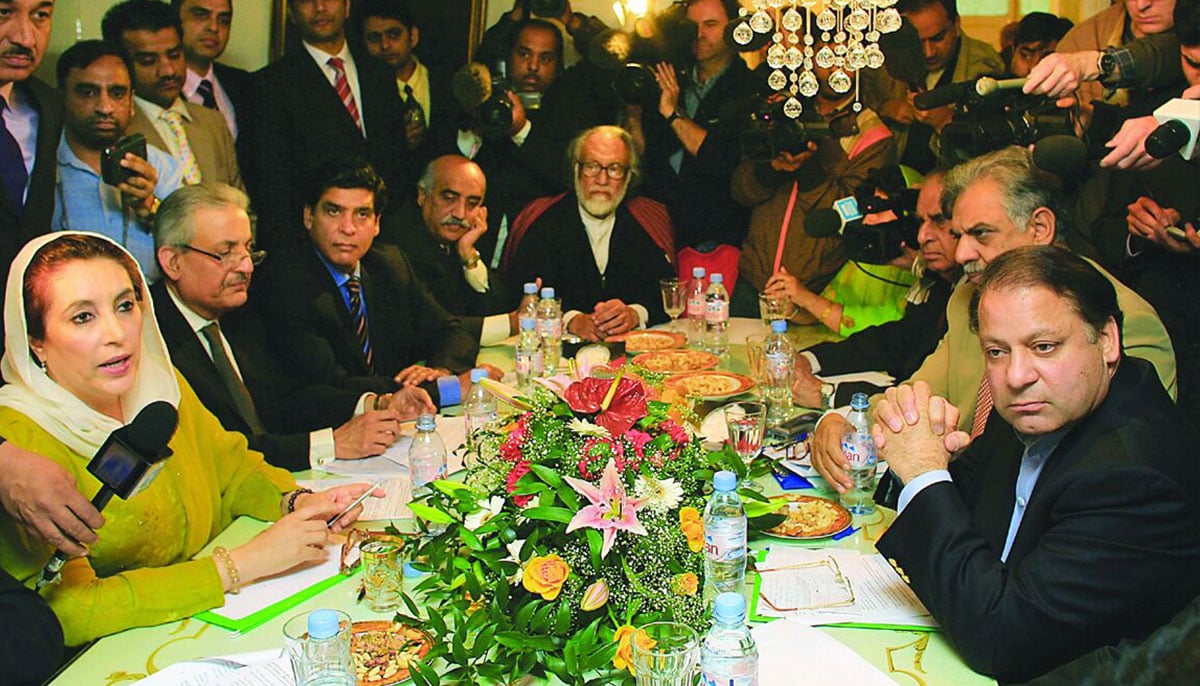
(676, 361)
(711, 385)
(809, 517)
(383, 651)
(648, 340)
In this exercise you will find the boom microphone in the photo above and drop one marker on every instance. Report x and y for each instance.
(472, 85)
(955, 93)
(126, 464)
(1060, 154)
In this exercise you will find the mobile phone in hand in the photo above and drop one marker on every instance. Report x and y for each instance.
(111, 170)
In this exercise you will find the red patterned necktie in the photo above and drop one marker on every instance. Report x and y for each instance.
(342, 85)
(983, 408)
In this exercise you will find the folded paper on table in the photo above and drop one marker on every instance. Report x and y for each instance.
(394, 460)
(394, 505)
(783, 647)
(835, 586)
(271, 597)
(881, 379)
(262, 668)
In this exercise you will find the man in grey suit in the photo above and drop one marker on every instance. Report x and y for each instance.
(197, 137)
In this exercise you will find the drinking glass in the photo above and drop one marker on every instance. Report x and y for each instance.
(666, 654)
(756, 356)
(745, 423)
(313, 661)
(773, 307)
(381, 574)
(674, 297)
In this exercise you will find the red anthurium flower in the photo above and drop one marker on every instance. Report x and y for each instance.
(626, 407)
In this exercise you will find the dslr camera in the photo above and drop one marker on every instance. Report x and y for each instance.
(634, 55)
(771, 132)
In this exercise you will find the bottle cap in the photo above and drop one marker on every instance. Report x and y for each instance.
(717, 278)
(426, 422)
(477, 374)
(411, 572)
(528, 323)
(724, 481)
(323, 624)
(530, 288)
(548, 292)
(859, 401)
(698, 272)
(779, 326)
(729, 607)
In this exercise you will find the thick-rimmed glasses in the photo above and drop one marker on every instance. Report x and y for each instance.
(591, 170)
(233, 258)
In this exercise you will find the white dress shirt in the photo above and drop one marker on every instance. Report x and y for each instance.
(599, 233)
(224, 104)
(21, 118)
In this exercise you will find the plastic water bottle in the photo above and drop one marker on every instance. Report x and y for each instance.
(859, 449)
(529, 302)
(549, 327)
(427, 453)
(780, 362)
(327, 651)
(728, 656)
(479, 407)
(724, 538)
(530, 363)
(696, 307)
(716, 316)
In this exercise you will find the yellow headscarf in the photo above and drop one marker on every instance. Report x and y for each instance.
(32, 392)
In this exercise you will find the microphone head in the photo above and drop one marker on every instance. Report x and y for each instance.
(152, 428)
(609, 50)
(1061, 155)
(823, 222)
(472, 85)
(1167, 139)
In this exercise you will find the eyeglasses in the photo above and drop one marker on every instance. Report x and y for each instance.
(233, 258)
(592, 169)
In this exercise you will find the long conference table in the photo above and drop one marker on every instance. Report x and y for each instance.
(914, 658)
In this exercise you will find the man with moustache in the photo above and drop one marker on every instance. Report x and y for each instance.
(98, 104)
(1072, 522)
(321, 101)
(197, 137)
(207, 255)
(210, 83)
(602, 253)
(996, 202)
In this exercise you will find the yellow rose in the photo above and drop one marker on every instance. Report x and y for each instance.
(692, 527)
(545, 575)
(685, 584)
(624, 657)
(689, 514)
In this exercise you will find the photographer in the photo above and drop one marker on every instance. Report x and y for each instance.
(690, 143)
(582, 28)
(801, 180)
(93, 77)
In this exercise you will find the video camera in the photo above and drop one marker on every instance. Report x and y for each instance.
(992, 114)
(546, 8)
(483, 94)
(771, 131)
(630, 57)
(876, 243)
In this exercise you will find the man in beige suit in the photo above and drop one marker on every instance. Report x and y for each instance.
(996, 202)
(198, 138)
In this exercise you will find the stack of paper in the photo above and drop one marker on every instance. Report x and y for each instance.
(785, 647)
(394, 460)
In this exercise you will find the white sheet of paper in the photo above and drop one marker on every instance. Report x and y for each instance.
(394, 461)
(269, 591)
(784, 647)
(880, 596)
(394, 505)
(261, 668)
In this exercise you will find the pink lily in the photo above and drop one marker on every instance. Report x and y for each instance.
(610, 510)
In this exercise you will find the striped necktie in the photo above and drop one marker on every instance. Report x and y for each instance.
(208, 96)
(187, 159)
(983, 408)
(359, 318)
(342, 85)
(233, 383)
(13, 174)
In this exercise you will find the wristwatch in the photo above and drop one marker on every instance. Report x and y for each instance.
(673, 116)
(1106, 64)
(472, 262)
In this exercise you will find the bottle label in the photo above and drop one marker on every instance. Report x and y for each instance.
(779, 367)
(717, 311)
(531, 320)
(529, 363)
(695, 307)
(726, 541)
(550, 328)
(707, 679)
(859, 449)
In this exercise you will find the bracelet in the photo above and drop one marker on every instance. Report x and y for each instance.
(235, 579)
(296, 494)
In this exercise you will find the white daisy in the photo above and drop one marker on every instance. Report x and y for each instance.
(583, 427)
(657, 495)
(487, 509)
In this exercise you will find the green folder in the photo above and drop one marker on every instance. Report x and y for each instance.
(242, 530)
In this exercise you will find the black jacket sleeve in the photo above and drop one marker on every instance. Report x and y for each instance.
(31, 639)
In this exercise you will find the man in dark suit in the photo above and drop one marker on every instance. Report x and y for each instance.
(1072, 522)
(217, 86)
(206, 252)
(345, 313)
(197, 137)
(30, 127)
(316, 103)
(603, 254)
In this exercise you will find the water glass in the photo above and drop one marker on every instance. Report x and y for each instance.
(382, 577)
(326, 661)
(745, 423)
(674, 297)
(666, 654)
(772, 307)
(756, 356)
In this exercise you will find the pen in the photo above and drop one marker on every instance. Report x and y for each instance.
(366, 494)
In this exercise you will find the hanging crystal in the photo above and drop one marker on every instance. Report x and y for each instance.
(826, 20)
(824, 57)
(794, 58)
(776, 4)
(808, 84)
(777, 80)
(888, 20)
(856, 56)
(742, 33)
(792, 20)
(858, 20)
(775, 56)
(840, 81)
(793, 108)
(874, 56)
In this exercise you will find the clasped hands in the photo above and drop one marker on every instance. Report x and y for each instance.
(610, 318)
(915, 431)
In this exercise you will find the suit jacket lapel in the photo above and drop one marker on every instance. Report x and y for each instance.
(345, 321)
(321, 95)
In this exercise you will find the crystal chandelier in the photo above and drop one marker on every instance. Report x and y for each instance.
(849, 32)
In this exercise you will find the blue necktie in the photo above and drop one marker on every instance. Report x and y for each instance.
(359, 317)
(13, 174)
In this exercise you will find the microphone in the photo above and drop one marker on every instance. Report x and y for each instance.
(1179, 122)
(472, 85)
(954, 93)
(823, 222)
(1060, 154)
(126, 464)
(986, 85)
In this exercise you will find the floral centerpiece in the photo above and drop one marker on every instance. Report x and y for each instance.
(579, 519)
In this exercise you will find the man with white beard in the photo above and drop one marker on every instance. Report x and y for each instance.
(568, 241)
